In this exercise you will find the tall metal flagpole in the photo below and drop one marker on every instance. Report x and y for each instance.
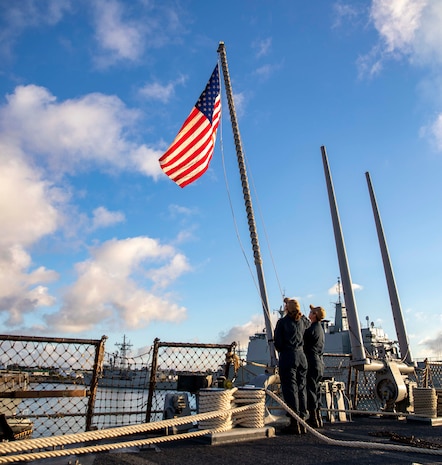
(248, 204)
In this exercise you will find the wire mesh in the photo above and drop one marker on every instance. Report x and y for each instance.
(42, 383)
(185, 367)
(60, 385)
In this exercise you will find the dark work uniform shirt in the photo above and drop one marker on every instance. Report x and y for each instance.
(314, 340)
(289, 334)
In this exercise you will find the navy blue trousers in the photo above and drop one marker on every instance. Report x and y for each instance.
(293, 373)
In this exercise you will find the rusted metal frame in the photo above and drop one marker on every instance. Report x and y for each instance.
(193, 345)
(13, 337)
(43, 394)
(152, 380)
(98, 363)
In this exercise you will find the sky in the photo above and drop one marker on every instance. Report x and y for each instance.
(96, 240)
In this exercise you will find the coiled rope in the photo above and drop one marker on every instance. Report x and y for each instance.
(216, 399)
(253, 417)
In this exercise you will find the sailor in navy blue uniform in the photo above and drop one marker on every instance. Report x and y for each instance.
(314, 339)
(289, 340)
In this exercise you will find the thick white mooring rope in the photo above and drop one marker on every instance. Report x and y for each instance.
(253, 417)
(237, 412)
(60, 441)
(354, 444)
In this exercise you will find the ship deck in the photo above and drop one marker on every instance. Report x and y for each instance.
(365, 439)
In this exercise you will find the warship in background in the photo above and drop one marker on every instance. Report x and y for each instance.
(118, 373)
(337, 342)
(337, 335)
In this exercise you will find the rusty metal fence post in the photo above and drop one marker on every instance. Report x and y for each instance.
(98, 363)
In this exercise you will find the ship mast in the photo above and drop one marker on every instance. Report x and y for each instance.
(391, 283)
(359, 358)
(248, 204)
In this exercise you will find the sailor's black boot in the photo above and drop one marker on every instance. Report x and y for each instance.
(291, 428)
(313, 419)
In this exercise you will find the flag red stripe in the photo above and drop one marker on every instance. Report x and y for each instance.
(192, 149)
(188, 138)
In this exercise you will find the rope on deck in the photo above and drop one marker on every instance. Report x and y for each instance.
(60, 441)
(253, 417)
(354, 444)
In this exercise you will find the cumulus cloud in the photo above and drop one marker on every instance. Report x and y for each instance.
(432, 346)
(118, 288)
(240, 334)
(27, 202)
(28, 209)
(21, 289)
(41, 140)
(67, 136)
(408, 29)
(397, 22)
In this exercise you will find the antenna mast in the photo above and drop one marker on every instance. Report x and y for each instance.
(399, 322)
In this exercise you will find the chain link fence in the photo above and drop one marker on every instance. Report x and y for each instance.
(186, 367)
(60, 386)
(42, 385)
(56, 386)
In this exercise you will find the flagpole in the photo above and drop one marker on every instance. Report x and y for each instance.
(248, 205)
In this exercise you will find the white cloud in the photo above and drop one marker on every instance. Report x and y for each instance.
(16, 17)
(122, 38)
(75, 134)
(111, 289)
(432, 346)
(29, 211)
(241, 334)
(337, 288)
(157, 91)
(397, 22)
(26, 209)
(102, 218)
(407, 29)
(19, 293)
(163, 93)
(124, 34)
(433, 131)
(410, 29)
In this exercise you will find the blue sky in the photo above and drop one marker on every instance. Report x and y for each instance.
(96, 240)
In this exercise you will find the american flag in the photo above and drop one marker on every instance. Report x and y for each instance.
(191, 151)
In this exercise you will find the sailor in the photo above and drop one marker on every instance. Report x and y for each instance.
(314, 339)
(289, 337)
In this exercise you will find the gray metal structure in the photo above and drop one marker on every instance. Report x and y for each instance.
(399, 322)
